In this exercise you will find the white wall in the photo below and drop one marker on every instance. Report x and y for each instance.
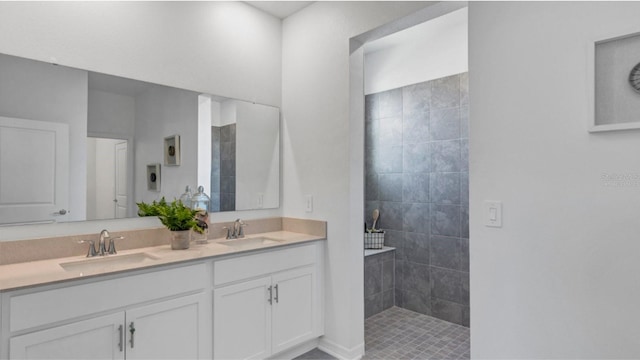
(160, 112)
(205, 119)
(427, 51)
(111, 114)
(225, 48)
(560, 278)
(37, 91)
(316, 147)
(257, 156)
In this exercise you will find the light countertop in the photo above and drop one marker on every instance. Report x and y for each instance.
(26, 274)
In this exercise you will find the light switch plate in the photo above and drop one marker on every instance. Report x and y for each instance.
(493, 213)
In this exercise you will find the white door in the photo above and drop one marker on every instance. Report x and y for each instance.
(242, 320)
(121, 198)
(34, 171)
(171, 329)
(97, 338)
(293, 307)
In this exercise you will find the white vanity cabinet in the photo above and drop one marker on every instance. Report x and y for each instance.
(164, 314)
(268, 302)
(95, 338)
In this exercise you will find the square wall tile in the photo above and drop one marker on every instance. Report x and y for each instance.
(444, 124)
(415, 128)
(464, 89)
(371, 106)
(415, 301)
(445, 92)
(445, 156)
(416, 98)
(446, 284)
(389, 159)
(415, 187)
(446, 220)
(390, 187)
(416, 158)
(391, 215)
(447, 310)
(446, 252)
(445, 188)
(390, 131)
(390, 103)
(417, 247)
(416, 218)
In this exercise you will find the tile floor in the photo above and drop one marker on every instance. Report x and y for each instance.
(397, 333)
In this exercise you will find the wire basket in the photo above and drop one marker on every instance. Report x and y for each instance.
(374, 240)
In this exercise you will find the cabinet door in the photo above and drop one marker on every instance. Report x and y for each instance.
(97, 338)
(294, 307)
(242, 320)
(172, 329)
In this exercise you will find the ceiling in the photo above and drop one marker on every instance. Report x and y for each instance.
(280, 9)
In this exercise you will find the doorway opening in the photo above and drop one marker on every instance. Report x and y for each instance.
(107, 190)
(416, 183)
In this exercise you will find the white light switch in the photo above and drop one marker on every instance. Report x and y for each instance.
(309, 203)
(493, 211)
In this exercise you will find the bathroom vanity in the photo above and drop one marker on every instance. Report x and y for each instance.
(254, 298)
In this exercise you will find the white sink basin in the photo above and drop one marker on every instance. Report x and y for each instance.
(106, 263)
(250, 242)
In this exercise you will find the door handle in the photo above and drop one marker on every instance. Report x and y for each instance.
(120, 344)
(132, 329)
(270, 295)
(61, 212)
(276, 297)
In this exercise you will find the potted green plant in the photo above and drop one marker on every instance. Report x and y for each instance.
(177, 217)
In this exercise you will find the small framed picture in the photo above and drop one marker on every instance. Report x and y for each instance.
(153, 177)
(172, 150)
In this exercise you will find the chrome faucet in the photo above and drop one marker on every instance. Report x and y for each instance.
(237, 231)
(102, 247)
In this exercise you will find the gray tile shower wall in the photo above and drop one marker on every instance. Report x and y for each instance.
(417, 175)
(379, 282)
(228, 167)
(214, 205)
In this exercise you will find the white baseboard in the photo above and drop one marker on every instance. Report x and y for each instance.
(297, 350)
(339, 351)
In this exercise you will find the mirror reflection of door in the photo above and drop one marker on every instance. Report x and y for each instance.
(121, 198)
(34, 168)
(107, 193)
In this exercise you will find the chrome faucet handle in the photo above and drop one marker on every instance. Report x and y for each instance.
(241, 229)
(237, 228)
(229, 236)
(92, 247)
(112, 245)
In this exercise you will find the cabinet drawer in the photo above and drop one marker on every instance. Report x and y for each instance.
(53, 305)
(248, 266)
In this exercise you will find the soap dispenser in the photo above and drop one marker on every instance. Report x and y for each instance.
(200, 202)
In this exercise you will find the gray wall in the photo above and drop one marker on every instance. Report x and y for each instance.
(223, 168)
(379, 282)
(417, 175)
